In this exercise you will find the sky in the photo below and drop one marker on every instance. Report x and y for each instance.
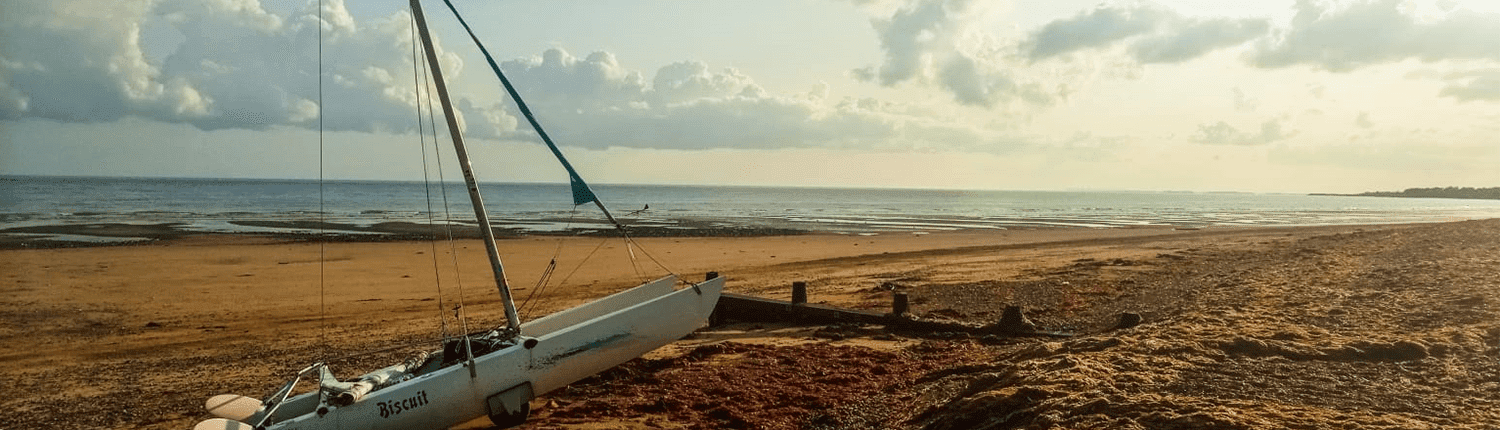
(1263, 96)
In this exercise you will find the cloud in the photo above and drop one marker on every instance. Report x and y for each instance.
(944, 44)
(103, 74)
(591, 83)
(237, 65)
(1375, 32)
(1221, 133)
(1363, 120)
(1243, 102)
(1186, 39)
(940, 43)
(691, 81)
(1162, 36)
(1097, 28)
(1473, 85)
(593, 102)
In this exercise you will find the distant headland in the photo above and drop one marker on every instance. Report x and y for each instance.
(1492, 193)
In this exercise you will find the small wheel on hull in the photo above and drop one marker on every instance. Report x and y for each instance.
(508, 420)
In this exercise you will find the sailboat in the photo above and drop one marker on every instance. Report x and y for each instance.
(493, 373)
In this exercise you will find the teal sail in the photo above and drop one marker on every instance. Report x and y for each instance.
(581, 192)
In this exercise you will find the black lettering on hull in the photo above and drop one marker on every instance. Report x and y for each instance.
(391, 408)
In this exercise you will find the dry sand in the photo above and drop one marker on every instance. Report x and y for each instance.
(1314, 327)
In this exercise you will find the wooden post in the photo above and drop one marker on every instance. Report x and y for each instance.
(899, 304)
(799, 293)
(714, 318)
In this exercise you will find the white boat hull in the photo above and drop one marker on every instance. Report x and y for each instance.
(568, 346)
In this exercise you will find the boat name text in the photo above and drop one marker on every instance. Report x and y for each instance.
(393, 407)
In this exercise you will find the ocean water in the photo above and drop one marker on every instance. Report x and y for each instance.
(211, 205)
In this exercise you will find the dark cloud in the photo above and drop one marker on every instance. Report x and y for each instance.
(1375, 32)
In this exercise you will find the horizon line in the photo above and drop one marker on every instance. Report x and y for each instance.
(565, 183)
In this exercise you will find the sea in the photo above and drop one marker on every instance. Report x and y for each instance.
(223, 205)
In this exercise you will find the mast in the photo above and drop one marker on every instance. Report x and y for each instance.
(463, 162)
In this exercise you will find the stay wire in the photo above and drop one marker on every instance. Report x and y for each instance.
(322, 214)
(631, 241)
(544, 281)
(458, 280)
(416, 84)
(649, 256)
(579, 266)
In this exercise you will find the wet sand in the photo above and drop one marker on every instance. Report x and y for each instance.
(1321, 327)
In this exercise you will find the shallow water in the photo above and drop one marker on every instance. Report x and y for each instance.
(210, 205)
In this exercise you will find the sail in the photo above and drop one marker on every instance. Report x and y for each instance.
(581, 192)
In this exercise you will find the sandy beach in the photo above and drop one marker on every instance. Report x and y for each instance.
(1389, 326)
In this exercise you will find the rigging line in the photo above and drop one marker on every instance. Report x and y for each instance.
(322, 214)
(651, 257)
(580, 263)
(541, 285)
(416, 85)
(630, 240)
(546, 274)
(458, 279)
(542, 281)
(634, 264)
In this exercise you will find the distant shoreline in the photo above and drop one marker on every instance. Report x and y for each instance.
(1469, 193)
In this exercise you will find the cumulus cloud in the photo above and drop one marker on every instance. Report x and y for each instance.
(1161, 35)
(237, 65)
(1221, 133)
(595, 82)
(92, 50)
(1379, 31)
(594, 102)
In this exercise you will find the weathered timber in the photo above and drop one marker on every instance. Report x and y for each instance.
(739, 307)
